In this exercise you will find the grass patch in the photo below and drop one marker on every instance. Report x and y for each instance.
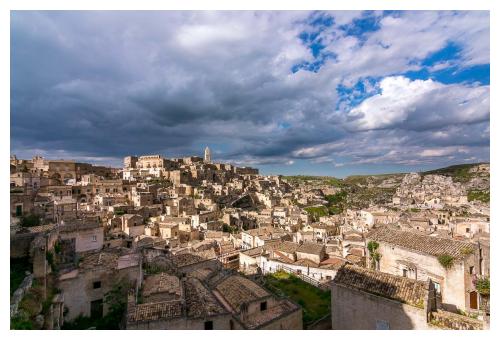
(459, 172)
(317, 212)
(314, 301)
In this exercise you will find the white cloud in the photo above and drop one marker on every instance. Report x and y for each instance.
(169, 81)
(420, 104)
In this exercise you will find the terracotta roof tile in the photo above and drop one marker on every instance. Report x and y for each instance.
(434, 246)
(393, 287)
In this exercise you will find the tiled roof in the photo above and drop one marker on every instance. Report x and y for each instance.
(288, 247)
(393, 287)
(333, 262)
(310, 248)
(155, 311)
(161, 283)
(278, 310)
(238, 290)
(434, 246)
(253, 251)
(181, 260)
(41, 228)
(200, 302)
(99, 259)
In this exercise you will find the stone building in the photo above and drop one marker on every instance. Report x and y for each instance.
(130, 162)
(367, 299)
(85, 287)
(206, 298)
(208, 156)
(86, 234)
(448, 263)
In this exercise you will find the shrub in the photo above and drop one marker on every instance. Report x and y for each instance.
(483, 286)
(21, 323)
(446, 261)
(372, 246)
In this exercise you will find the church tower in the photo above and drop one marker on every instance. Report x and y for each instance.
(208, 157)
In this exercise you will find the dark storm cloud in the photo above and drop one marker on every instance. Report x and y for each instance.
(107, 84)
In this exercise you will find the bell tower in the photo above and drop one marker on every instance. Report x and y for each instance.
(208, 157)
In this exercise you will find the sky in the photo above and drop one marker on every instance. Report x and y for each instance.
(289, 92)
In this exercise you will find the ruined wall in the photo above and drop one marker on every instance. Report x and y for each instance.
(19, 294)
(447, 320)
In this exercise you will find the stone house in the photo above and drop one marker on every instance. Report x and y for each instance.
(168, 230)
(20, 203)
(253, 307)
(87, 234)
(448, 263)
(364, 299)
(65, 209)
(85, 287)
(311, 251)
(256, 237)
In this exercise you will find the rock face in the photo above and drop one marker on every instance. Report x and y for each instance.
(416, 189)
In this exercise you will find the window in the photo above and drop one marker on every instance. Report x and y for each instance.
(437, 287)
(209, 325)
(382, 325)
(97, 284)
(94, 238)
(471, 270)
(467, 230)
(19, 210)
(263, 306)
(405, 273)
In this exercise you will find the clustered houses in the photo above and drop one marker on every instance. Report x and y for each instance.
(183, 230)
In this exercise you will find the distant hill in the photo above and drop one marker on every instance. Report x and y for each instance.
(459, 172)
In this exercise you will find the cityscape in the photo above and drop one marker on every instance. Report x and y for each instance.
(190, 243)
(250, 170)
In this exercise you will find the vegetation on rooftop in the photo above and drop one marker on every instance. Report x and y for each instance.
(446, 261)
(315, 302)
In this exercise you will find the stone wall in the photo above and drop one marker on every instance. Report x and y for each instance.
(354, 309)
(19, 294)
